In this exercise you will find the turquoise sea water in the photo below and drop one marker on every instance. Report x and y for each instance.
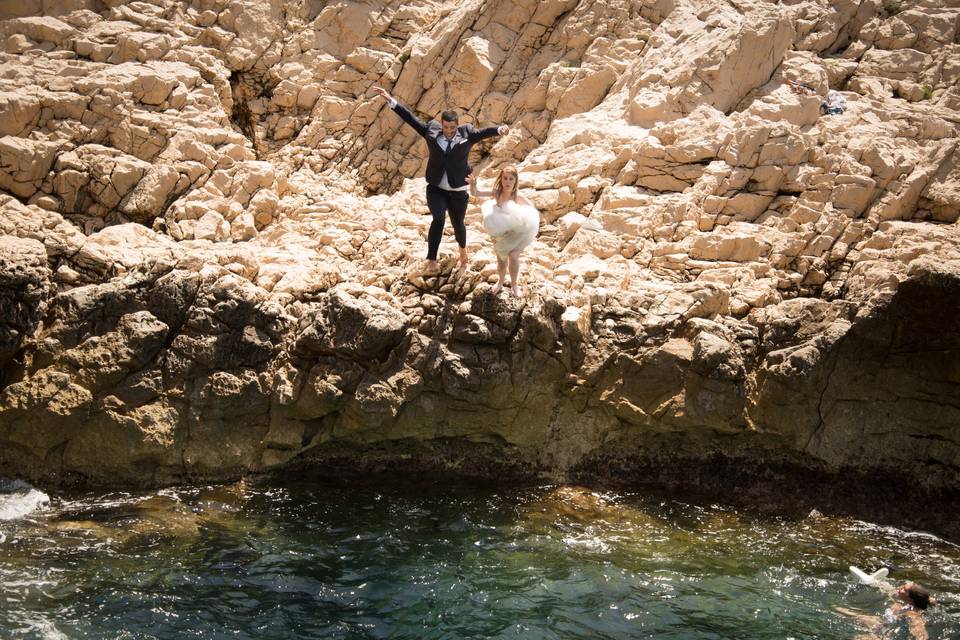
(308, 561)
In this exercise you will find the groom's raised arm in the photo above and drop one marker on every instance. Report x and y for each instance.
(403, 112)
(475, 135)
(418, 125)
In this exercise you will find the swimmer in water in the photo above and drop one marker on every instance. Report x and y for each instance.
(910, 600)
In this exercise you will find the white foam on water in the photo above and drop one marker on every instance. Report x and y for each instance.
(589, 542)
(904, 533)
(46, 629)
(19, 499)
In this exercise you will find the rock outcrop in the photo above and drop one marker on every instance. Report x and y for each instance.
(211, 232)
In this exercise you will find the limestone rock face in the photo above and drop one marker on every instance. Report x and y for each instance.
(211, 234)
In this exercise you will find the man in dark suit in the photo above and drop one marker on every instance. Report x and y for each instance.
(447, 169)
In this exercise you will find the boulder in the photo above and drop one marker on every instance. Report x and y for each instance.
(24, 164)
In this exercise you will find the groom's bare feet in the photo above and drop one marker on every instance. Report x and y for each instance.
(464, 260)
(432, 266)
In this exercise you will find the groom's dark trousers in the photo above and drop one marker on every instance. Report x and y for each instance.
(439, 201)
(447, 159)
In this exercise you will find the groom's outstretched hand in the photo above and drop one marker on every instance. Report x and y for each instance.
(383, 93)
(503, 130)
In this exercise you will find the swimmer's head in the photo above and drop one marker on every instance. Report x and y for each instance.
(914, 594)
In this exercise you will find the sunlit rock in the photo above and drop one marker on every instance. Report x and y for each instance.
(214, 236)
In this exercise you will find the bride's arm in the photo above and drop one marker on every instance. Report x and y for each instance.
(474, 191)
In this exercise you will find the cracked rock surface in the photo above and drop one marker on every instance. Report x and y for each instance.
(211, 241)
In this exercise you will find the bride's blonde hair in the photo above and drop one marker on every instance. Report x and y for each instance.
(498, 185)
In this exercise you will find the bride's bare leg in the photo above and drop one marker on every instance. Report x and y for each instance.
(501, 273)
(515, 272)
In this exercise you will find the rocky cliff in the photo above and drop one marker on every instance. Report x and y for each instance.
(211, 243)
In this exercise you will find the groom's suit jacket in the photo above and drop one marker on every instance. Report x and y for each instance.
(454, 160)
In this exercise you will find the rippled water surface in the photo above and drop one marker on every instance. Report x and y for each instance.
(306, 561)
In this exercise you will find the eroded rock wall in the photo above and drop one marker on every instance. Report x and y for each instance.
(211, 237)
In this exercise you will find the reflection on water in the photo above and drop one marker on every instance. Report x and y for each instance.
(303, 561)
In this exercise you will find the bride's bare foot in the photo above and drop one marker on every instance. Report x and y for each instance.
(516, 290)
(497, 289)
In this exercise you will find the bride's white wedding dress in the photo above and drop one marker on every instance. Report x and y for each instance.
(512, 226)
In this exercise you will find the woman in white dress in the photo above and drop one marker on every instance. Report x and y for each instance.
(512, 222)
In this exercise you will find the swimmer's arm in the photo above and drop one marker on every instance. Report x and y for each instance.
(918, 628)
(869, 622)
